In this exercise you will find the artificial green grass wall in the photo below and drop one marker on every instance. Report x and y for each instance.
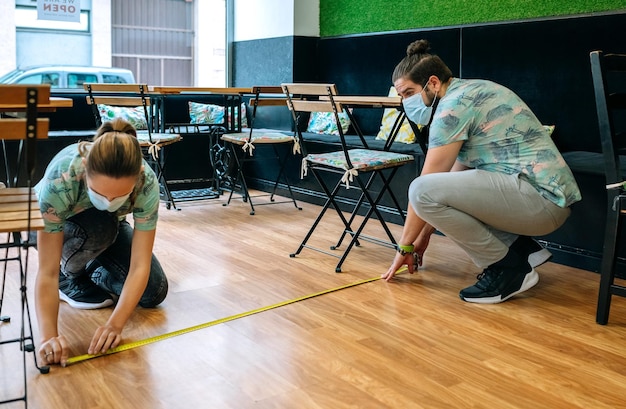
(340, 17)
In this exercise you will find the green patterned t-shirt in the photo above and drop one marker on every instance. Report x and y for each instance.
(62, 193)
(501, 134)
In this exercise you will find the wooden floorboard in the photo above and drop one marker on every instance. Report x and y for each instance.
(411, 343)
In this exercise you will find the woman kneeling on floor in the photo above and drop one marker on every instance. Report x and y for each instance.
(89, 255)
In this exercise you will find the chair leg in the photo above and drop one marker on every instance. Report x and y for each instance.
(607, 269)
(25, 339)
(362, 197)
(330, 201)
(169, 199)
(353, 215)
(240, 159)
(386, 188)
(373, 208)
(282, 161)
(386, 183)
(240, 180)
(4, 318)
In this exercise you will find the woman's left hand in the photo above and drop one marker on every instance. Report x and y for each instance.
(105, 338)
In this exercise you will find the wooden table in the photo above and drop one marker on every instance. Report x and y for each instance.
(368, 101)
(55, 102)
(202, 90)
(375, 101)
(233, 97)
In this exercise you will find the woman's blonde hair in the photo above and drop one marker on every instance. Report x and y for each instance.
(115, 152)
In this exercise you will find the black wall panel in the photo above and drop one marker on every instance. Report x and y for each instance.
(362, 65)
(263, 62)
(547, 63)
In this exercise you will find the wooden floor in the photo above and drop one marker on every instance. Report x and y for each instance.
(411, 343)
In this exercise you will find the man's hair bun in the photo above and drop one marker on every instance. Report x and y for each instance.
(418, 47)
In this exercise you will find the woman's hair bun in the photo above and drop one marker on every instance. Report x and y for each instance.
(418, 47)
(117, 125)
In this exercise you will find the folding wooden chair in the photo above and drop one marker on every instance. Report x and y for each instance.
(19, 209)
(249, 140)
(356, 166)
(608, 72)
(133, 103)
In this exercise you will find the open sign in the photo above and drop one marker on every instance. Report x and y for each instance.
(60, 10)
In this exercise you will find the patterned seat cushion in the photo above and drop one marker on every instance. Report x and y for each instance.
(362, 159)
(160, 138)
(258, 136)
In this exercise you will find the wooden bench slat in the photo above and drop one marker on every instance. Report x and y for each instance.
(313, 106)
(111, 87)
(20, 225)
(262, 101)
(12, 191)
(15, 128)
(118, 101)
(20, 214)
(18, 206)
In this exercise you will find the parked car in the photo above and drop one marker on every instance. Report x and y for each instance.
(66, 76)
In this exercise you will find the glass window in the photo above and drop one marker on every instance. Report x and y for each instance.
(77, 80)
(48, 78)
(113, 79)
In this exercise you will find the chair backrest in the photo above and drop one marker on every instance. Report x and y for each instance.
(129, 96)
(609, 82)
(19, 210)
(313, 97)
(264, 96)
(267, 96)
(23, 100)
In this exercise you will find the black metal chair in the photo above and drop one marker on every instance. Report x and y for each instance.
(609, 82)
(133, 102)
(249, 139)
(356, 167)
(19, 209)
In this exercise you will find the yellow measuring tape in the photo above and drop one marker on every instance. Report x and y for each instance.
(131, 345)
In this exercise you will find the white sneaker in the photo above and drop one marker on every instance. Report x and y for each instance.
(536, 253)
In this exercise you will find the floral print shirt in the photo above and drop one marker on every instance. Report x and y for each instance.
(62, 193)
(501, 134)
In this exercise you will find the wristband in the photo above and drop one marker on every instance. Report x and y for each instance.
(404, 250)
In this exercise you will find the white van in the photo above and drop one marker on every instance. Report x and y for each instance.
(67, 76)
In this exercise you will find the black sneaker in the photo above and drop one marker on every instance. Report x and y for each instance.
(536, 253)
(502, 280)
(82, 293)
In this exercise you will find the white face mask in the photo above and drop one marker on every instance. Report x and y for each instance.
(416, 110)
(102, 203)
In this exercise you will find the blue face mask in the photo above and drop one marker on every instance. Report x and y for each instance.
(102, 203)
(416, 110)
